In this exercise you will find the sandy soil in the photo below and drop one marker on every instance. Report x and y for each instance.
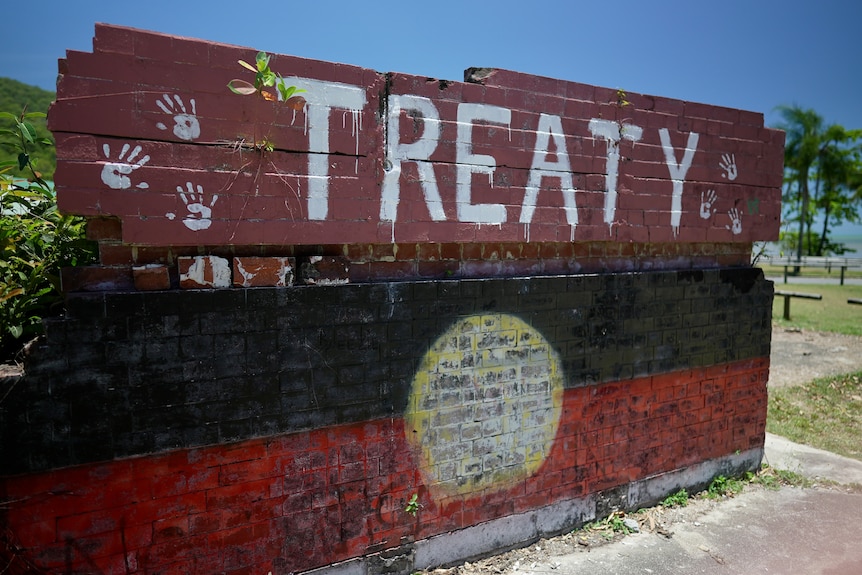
(801, 356)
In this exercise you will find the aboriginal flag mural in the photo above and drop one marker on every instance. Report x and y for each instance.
(290, 429)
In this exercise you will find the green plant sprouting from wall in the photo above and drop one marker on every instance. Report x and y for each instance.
(413, 505)
(264, 77)
(622, 98)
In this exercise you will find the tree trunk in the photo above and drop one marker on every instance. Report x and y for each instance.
(803, 216)
(825, 230)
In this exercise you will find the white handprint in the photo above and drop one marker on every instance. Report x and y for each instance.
(706, 209)
(728, 164)
(199, 214)
(116, 174)
(735, 220)
(186, 126)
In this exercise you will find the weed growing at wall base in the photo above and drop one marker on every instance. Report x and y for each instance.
(678, 499)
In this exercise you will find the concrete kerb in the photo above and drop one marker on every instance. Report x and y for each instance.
(759, 531)
(810, 462)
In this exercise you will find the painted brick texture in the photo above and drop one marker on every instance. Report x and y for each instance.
(274, 429)
(136, 373)
(383, 158)
(411, 261)
(293, 502)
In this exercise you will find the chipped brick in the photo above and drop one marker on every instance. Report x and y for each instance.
(96, 278)
(326, 270)
(263, 271)
(204, 272)
(151, 277)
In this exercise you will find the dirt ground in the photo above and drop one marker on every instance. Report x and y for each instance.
(801, 356)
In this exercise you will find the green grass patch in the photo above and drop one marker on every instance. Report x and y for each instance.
(832, 313)
(826, 413)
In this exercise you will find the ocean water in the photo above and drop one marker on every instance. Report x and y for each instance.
(851, 241)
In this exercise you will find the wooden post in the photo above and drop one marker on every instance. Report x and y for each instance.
(789, 294)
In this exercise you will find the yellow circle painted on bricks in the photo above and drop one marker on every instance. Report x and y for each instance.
(485, 405)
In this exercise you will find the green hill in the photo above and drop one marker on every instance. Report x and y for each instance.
(13, 97)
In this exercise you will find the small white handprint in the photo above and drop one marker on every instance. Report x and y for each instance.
(706, 209)
(728, 164)
(199, 214)
(735, 221)
(116, 174)
(186, 126)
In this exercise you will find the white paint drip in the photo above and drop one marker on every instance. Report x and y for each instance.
(613, 132)
(549, 128)
(418, 151)
(322, 98)
(305, 118)
(470, 163)
(355, 130)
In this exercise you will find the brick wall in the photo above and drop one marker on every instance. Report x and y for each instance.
(148, 132)
(282, 429)
(292, 502)
(549, 313)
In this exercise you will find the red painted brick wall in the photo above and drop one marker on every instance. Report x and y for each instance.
(148, 132)
(293, 502)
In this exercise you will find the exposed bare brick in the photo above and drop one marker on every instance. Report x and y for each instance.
(99, 229)
(151, 277)
(325, 270)
(263, 271)
(204, 272)
(96, 278)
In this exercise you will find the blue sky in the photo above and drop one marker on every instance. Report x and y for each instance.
(749, 54)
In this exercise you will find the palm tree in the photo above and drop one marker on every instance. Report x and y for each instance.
(839, 170)
(804, 130)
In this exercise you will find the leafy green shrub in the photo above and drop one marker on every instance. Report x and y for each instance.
(15, 96)
(36, 240)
